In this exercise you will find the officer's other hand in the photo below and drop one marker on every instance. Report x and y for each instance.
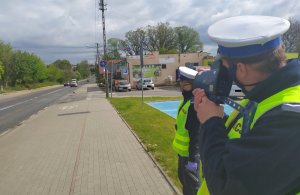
(198, 95)
(191, 166)
(205, 108)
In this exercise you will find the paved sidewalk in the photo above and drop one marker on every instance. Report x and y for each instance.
(77, 147)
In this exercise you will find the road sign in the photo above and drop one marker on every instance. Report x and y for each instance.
(102, 63)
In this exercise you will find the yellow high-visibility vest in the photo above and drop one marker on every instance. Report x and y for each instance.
(289, 95)
(182, 139)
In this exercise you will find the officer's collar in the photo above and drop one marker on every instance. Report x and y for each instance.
(287, 76)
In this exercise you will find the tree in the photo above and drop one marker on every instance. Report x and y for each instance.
(77, 75)
(1, 71)
(63, 64)
(1, 75)
(133, 40)
(291, 38)
(6, 53)
(84, 69)
(55, 74)
(166, 36)
(162, 38)
(39, 70)
(21, 69)
(66, 68)
(187, 39)
(152, 38)
(113, 45)
(125, 46)
(27, 68)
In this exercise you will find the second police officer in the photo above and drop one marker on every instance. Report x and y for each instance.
(186, 141)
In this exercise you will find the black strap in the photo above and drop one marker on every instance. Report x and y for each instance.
(248, 116)
(232, 123)
(246, 112)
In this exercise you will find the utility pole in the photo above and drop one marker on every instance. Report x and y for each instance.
(97, 55)
(97, 64)
(103, 8)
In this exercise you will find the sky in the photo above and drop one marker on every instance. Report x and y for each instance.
(70, 29)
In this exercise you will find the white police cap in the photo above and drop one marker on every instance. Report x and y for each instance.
(249, 35)
(187, 73)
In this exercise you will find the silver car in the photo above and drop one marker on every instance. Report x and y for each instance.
(123, 85)
(147, 84)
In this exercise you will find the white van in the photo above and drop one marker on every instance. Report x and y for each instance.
(73, 83)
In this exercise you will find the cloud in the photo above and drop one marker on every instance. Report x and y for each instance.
(65, 29)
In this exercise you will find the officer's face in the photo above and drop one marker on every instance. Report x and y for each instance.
(244, 75)
(185, 85)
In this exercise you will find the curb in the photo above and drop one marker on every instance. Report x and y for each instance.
(174, 188)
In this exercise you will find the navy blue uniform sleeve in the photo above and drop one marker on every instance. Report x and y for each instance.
(264, 161)
(192, 125)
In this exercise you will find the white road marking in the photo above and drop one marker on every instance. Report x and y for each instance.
(68, 107)
(13, 105)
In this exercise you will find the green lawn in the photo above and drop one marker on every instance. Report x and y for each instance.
(154, 128)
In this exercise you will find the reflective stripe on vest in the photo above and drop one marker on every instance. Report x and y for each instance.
(181, 140)
(289, 95)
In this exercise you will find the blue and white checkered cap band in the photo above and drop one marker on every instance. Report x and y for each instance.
(249, 50)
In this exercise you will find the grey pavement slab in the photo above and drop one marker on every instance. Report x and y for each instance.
(78, 147)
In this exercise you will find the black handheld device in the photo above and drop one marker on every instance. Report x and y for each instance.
(216, 82)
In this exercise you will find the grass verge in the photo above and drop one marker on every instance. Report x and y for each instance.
(154, 128)
(27, 87)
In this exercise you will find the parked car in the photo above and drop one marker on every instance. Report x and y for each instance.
(73, 84)
(123, 85)
(67, 83)
(147, 84)
(235, 91)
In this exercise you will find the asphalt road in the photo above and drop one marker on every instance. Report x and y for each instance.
(17, 108)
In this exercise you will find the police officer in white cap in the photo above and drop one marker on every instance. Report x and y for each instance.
(186, 140)
(265, 159)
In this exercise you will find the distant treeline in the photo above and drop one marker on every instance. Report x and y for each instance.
(24, 69)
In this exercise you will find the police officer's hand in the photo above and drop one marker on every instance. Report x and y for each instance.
(205, 108)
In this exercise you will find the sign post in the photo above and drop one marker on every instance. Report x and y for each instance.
(142, 82)
(103, 65)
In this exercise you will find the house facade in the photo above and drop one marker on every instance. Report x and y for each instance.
(163, 68)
